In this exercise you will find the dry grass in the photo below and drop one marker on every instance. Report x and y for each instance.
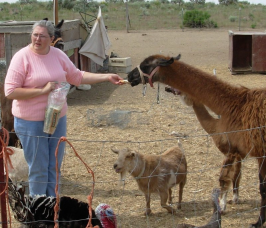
(149, 131)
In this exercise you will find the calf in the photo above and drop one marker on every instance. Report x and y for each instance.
(155, 173)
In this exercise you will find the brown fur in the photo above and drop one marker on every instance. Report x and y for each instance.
(7, 118)
(231, 169)
(155, 173)
(240, 109)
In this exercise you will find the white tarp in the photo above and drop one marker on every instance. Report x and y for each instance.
(98, 42)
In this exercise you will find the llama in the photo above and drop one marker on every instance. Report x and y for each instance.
(240, 109)
(230, 173)
(216, 219)
(155, 173)
(6, 104)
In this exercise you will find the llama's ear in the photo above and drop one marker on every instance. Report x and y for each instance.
(45, 19)
(59, 25)
(165, 62)
(177, 57)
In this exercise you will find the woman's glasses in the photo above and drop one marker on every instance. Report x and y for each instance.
(36, 35)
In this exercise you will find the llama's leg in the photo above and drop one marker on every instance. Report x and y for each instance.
(262, 175)
(225, 179)
(164, 197)
(148, 204)
(236, 180)
(170, 198)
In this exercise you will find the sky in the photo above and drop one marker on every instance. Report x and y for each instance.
(214, 1)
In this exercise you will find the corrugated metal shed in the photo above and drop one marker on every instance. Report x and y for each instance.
(247, 52)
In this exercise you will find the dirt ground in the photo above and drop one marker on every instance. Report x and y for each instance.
(148, 126)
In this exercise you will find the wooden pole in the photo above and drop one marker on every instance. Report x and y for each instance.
(55, 12)
(127, 17)
(2, 185)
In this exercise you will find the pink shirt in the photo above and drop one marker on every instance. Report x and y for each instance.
(30, 70)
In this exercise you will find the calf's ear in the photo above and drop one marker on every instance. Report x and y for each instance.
(114, 150)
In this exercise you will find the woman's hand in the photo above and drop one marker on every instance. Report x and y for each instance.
(92, 78)
(50, 86)
(115, 79)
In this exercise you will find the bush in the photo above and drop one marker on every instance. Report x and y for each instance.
(198, 19)
(253, 25)
(233, 18)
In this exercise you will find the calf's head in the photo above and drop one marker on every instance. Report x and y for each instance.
(125, 161)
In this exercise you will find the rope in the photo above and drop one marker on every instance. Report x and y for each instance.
(90, 197)
(5, 155)
(54, 42)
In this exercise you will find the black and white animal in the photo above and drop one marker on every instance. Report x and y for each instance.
(38, 211)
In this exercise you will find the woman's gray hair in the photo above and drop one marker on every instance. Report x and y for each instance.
(45, 24)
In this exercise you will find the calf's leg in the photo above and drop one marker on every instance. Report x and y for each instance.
(164, 197)
(170, 198)
(148, 204)
(181, 187)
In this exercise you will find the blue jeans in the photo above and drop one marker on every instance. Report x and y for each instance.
(39, 150)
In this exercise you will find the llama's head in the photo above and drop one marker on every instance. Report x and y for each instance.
(125, 161)
(57, 41)
(148, 68)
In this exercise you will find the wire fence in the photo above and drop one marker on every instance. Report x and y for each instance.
(162, 130)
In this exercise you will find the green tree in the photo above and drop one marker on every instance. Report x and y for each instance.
(198, 19)
(227, 2)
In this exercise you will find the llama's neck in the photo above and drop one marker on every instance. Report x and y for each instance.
(201, 86)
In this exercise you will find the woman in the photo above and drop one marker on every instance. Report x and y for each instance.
(34, 72)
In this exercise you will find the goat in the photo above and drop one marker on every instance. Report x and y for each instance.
(155, 173)
(240, 109)
(215, 220)
(230, 173)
